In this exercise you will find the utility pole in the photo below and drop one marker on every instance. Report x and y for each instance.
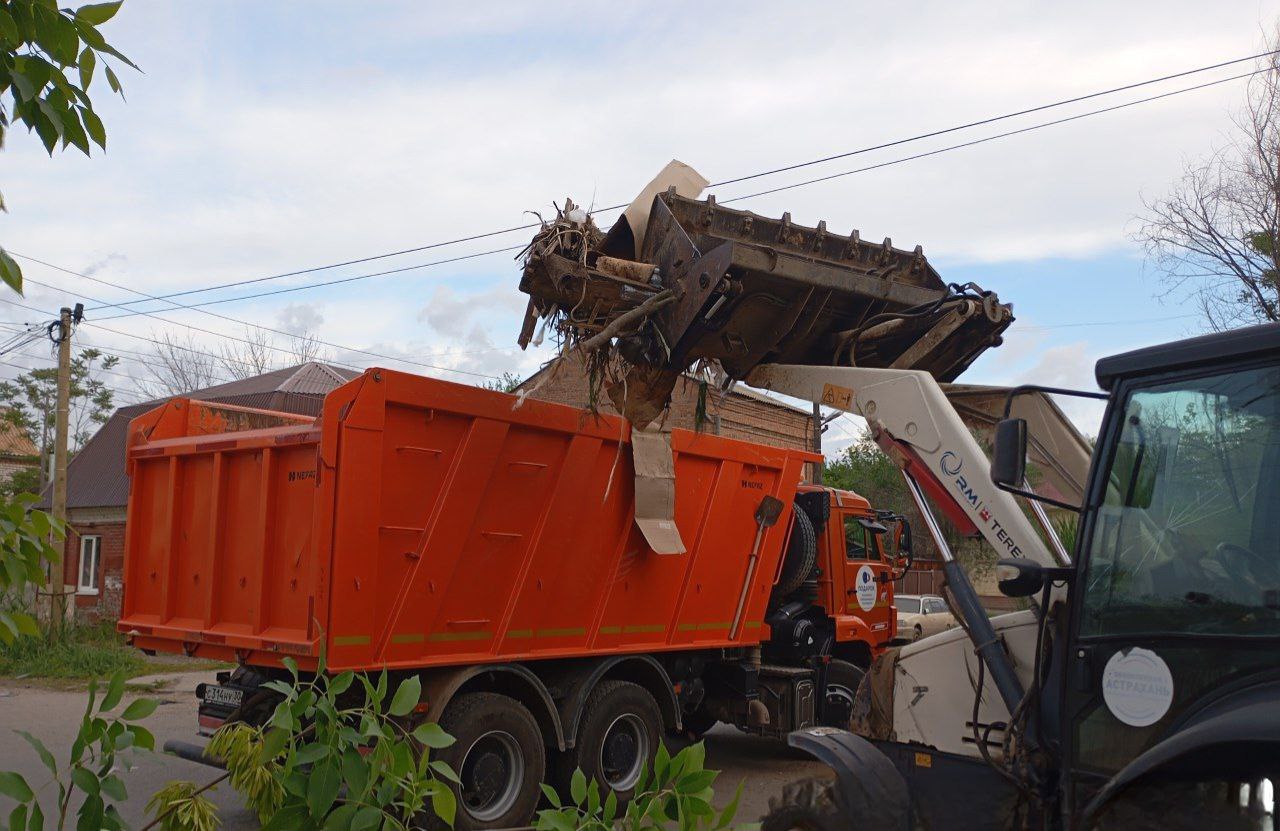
(67, 319)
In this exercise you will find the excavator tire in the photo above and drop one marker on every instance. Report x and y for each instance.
(802, 554)
(807, 805)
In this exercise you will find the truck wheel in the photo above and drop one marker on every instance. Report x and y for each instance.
(918, 633)
(499, 755)
(807, 805)
(802, 553)
(843, 679)
(617, 738)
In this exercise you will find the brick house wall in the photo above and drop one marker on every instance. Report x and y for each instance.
(108, 525)
(740, 414)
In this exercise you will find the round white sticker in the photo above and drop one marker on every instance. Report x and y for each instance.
(1137, 687)
(866, 588)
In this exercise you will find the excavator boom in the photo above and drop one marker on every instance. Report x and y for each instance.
(915, 424)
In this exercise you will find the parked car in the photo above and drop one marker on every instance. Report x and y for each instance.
(922, 615)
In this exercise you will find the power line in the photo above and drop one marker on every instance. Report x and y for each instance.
(735, 180)
(119, 354)
(165, 298)
(986, 139)
(114, 392)
(994, 119)
(271, 347)
(134, 335)
(791, 186)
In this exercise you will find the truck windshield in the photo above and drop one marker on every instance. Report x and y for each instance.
(1188, 537)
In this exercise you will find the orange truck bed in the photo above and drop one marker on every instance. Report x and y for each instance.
(421, 523)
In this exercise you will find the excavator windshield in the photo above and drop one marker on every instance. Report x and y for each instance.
(1187, 540)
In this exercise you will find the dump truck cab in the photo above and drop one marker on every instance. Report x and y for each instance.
(859, 556)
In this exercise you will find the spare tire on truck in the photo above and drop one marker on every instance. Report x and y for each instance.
(802, 554)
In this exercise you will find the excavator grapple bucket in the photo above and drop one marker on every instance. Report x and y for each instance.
(705, 284)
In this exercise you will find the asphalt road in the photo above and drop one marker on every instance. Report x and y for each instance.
(763, 765)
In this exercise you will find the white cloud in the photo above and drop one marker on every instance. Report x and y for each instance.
(261, 141)
(301, 319)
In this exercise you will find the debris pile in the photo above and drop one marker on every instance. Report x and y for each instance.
(680, 282)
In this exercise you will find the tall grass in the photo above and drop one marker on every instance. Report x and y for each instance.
(76, 652)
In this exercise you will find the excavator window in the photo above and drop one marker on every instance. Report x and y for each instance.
(1185, 539)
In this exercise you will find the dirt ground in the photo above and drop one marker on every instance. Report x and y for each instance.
(763, 765)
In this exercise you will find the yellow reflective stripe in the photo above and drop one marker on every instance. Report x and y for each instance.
(459, 636)
(408, 637)
(351, 640)
(561, 633)
(705, 627)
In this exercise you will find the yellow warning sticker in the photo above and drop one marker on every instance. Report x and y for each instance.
(924, 760)
(837, 396)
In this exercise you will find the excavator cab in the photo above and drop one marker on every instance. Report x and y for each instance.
(1141, 685)
(1172, 620)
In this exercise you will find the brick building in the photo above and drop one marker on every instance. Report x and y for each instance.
(98, 489)
(742, 413)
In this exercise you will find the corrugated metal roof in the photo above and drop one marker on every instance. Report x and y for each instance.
(96, 477)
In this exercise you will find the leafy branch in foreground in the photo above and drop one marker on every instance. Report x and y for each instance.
(48, 59)
(25, 546)
(337, 752)
(92, 767)
(678, 797)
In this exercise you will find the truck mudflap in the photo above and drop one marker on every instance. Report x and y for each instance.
(870, 788)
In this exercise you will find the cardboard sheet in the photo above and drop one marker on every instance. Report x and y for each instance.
(656, 490)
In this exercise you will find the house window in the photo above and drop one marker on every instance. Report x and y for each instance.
(90, 554)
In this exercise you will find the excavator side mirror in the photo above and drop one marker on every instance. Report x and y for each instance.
(1009, 462)
(1019, 577)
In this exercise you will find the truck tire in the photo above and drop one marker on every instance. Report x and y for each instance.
(807, 805)
(500, 757)
(843, 679)
(802, 554)
(617, 739)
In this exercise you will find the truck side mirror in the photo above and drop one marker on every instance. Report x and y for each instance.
(1019, 577)
(1009, 465)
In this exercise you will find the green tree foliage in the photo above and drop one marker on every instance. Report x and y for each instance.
(506, 383)
(868, 472)
(26, 543)
(30, 402)
(91, 766)
(48, 60)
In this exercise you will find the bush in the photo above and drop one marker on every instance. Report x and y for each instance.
(79, 652)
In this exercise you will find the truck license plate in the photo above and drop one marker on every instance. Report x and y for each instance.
(223, 696)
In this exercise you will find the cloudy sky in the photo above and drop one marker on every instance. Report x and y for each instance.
(264, 138)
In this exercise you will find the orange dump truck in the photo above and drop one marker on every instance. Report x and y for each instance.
(432, 528)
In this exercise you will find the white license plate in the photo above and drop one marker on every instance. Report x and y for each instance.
(223, 696)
